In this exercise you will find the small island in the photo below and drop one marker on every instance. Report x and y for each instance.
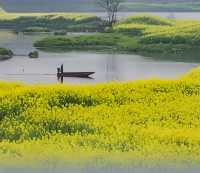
(5, 54)
(142, 34)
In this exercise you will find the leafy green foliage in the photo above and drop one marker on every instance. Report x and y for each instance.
(4, 51)
(158, 35)
(147, 20)
(96, 41)
(52, 21)
(137, 34)
(36, 29)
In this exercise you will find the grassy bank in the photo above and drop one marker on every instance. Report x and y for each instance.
(159, 35)
(140, 34)
(157, 121)
(51, 21)
(100, 41)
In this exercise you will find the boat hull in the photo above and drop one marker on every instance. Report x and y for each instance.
(75, 74)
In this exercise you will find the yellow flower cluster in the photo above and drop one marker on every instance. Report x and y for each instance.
(154, 120)
(73, 16)
(155, 30)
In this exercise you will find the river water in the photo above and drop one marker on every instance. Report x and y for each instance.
(107, 67)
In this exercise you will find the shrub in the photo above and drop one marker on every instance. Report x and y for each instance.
(147, 20)
(35, 29)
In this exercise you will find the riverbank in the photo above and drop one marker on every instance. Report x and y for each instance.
(51, 21)
(143, 122)
(137, 34)
(99, 42)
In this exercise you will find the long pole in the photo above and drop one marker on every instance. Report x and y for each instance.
(61, 70)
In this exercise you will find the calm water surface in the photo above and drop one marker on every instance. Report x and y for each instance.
(107, 67)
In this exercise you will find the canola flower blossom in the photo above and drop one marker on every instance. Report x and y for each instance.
(147, 121)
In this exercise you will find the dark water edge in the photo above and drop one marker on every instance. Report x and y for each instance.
(189, 56)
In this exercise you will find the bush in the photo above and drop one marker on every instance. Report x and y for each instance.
(133, 29)
(50, 21)
(4, 51)
(147, 20)
(96, 41)
(35, 29)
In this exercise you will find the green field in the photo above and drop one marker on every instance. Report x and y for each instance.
(136, 34)
(150, 122)
(51, 21)
(101, 42)
(159, 35)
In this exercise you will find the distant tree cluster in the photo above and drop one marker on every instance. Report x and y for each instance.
(111, 7)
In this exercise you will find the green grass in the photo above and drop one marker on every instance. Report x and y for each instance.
(141, 122)
(52, 21)
(68, 16)
(106, 41)
(157, 35)
(147, 20)
(36, 29)
(137, 34)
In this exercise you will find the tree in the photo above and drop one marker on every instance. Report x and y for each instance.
(112, 8)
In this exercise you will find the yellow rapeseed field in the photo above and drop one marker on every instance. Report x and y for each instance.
(147, 121)
(76, 16)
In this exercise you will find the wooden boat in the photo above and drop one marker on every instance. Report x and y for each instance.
(61, 73)
(75, 74)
